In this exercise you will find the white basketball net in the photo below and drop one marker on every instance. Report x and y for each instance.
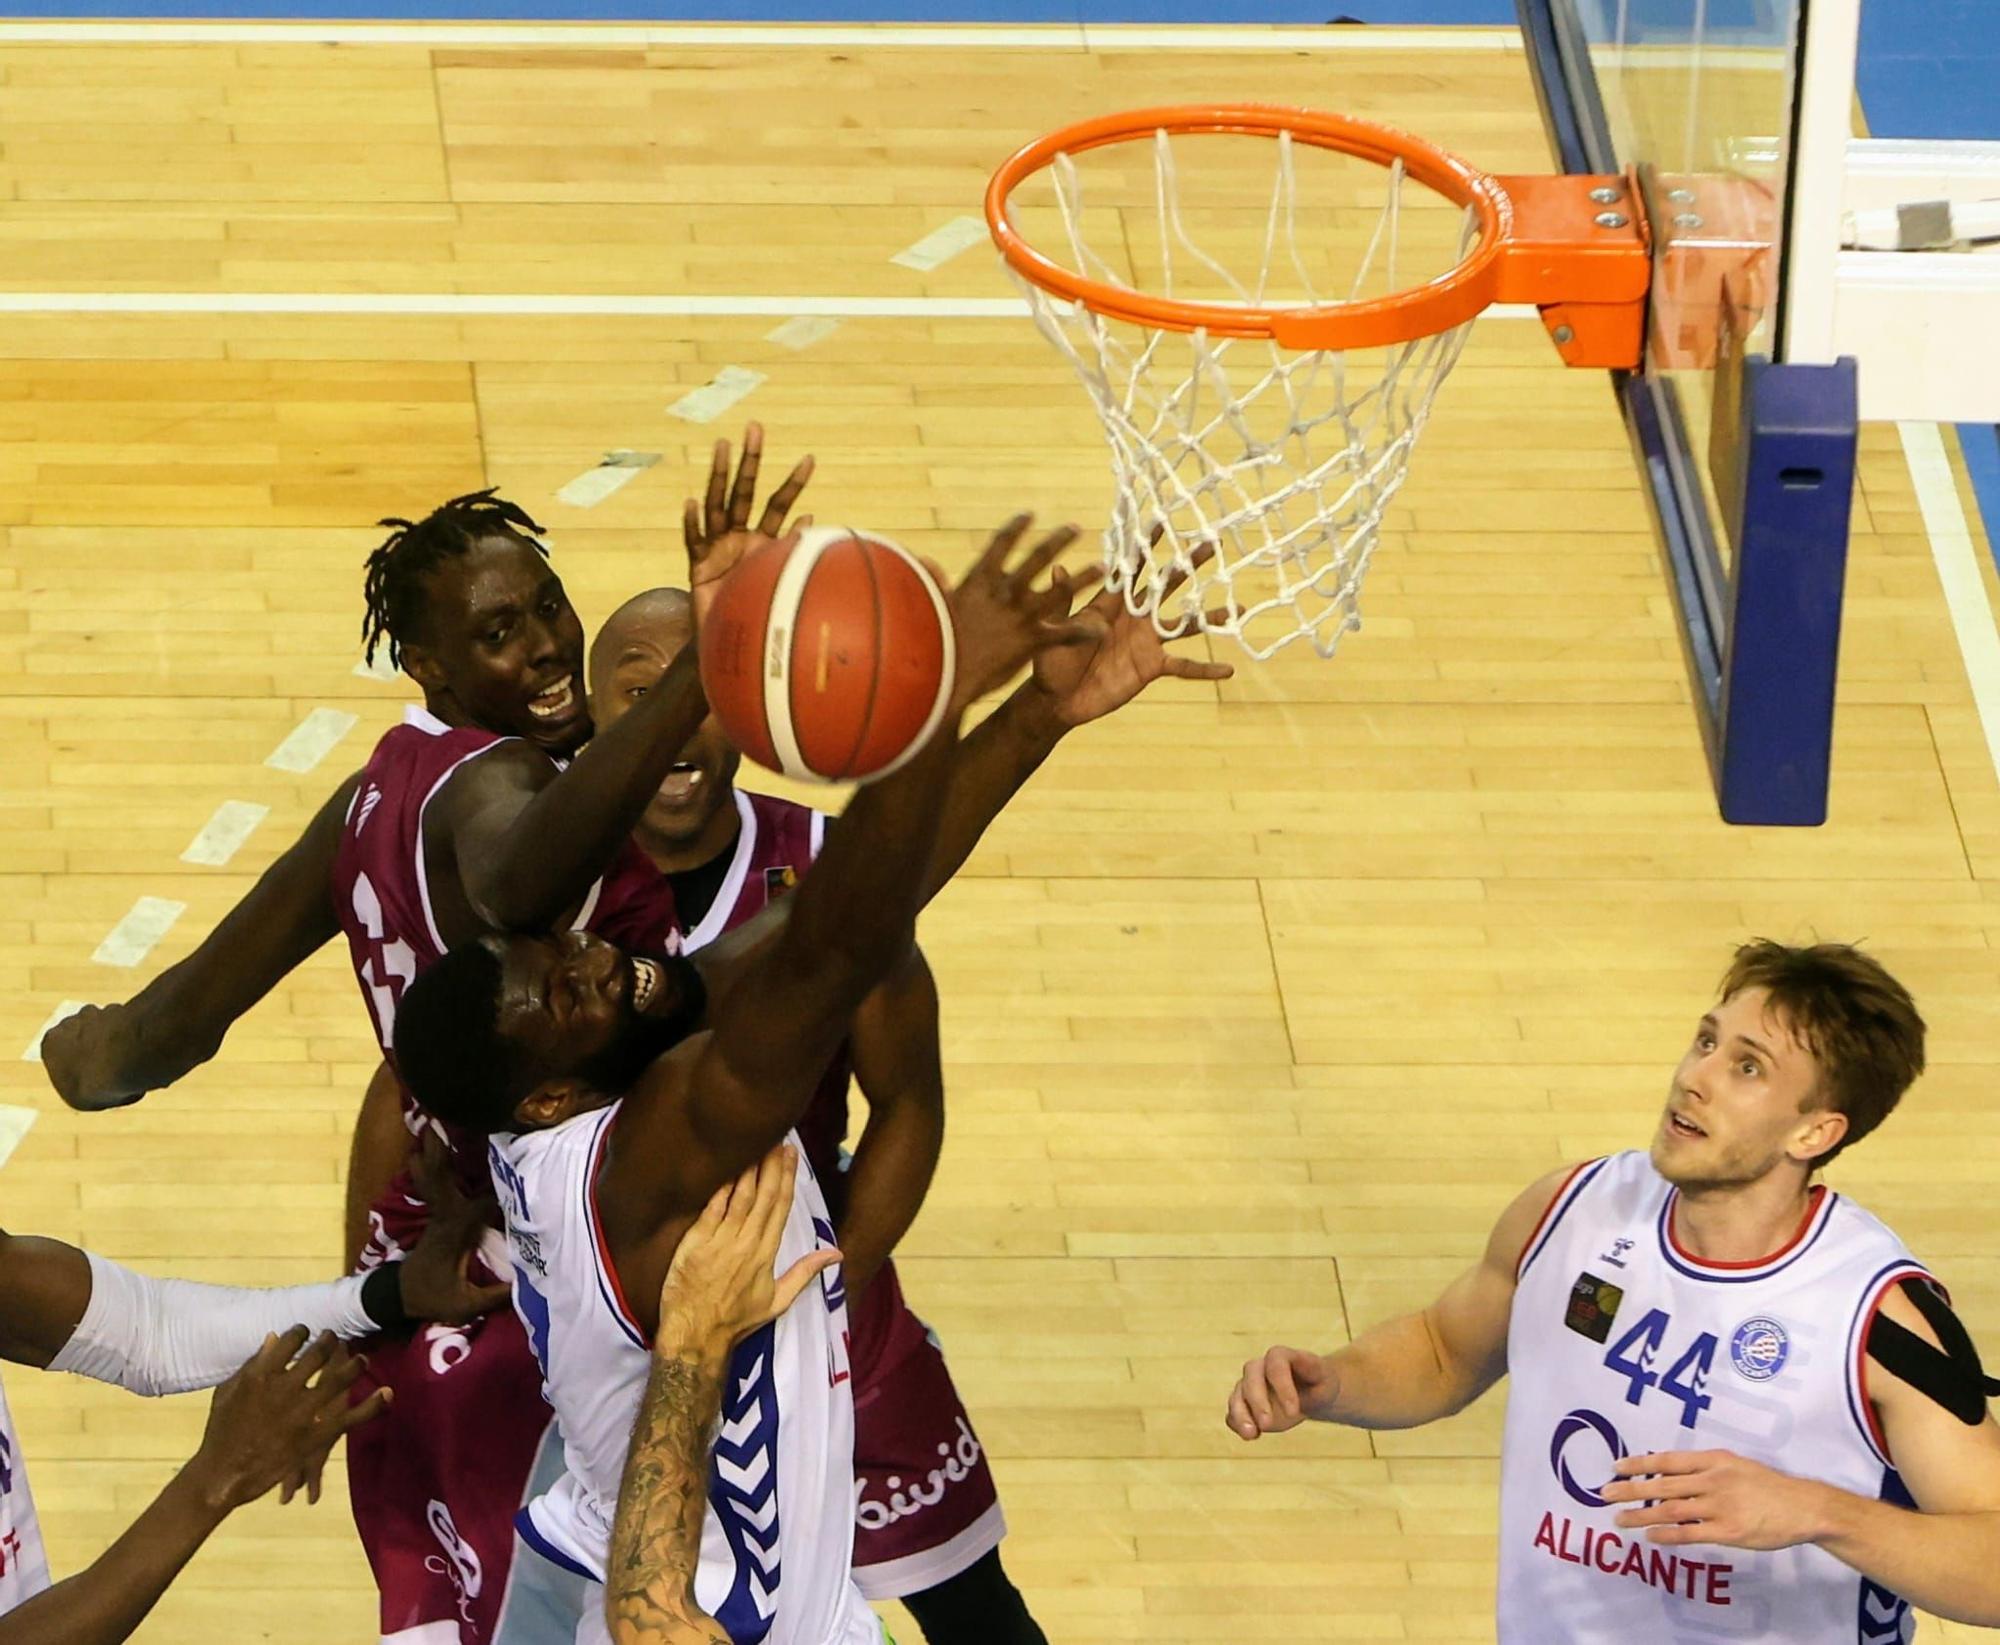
(1283, 461)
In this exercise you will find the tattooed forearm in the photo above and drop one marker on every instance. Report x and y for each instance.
(656, 1543)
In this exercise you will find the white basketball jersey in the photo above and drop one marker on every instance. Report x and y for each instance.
(24, 1566)
(778, 1543)
(1622, 1343)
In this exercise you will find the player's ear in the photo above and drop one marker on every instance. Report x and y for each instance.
(550, 1103)
(1820, 1131)
(421, 666)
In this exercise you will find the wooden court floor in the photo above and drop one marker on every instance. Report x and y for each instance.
(1261, 1001)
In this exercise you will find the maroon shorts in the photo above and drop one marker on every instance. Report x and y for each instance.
(436, 1479)
(926, 1507)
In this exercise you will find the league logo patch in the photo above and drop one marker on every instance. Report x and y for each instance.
(777, 881)
(1593, 1302)
(1759, 1349)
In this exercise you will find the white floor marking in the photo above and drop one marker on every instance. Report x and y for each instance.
(222, 836)
(312, 739)
(134, 937)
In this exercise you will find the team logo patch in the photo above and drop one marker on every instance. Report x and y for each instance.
(779, 880)
(1759, 1349)
(1593, 1302)
(1601, 1447)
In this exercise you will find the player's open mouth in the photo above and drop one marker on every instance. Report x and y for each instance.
(682, 782)
(645, 983)
(556, 702)
(1684, 1127)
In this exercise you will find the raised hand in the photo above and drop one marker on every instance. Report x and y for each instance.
(1123, 656)
(277, 1418)
(717, 528)
(1002, 619)
(720, 1286)
(436, 1275)
(1277, 1391)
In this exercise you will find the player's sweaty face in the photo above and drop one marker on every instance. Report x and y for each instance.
(1738, 1097)
(566, 1004)
(510, 644)
(700, 783)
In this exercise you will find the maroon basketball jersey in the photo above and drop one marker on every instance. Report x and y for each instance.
(381, 891)
(776, 845)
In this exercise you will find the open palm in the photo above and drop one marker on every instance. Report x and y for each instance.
(1088, 681)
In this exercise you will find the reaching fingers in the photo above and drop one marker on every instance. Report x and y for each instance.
(1194, 668)
(716, 514)
(716, 1210)
(367, 1411)
(772, 522)
(315, 1357)
(1041, 557)
(743, 495)
(279, 1350)
(1076, 631)
(691, 532)
(1082, 582)
(1241, 1422)
(797, 1277)
(314, 1470)
(482, 1299)
(331, 1388)
(1000, 547)
(774, 1197)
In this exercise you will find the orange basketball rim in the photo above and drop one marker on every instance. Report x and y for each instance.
(1574, 247)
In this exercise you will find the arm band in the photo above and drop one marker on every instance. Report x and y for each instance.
(167, 1336)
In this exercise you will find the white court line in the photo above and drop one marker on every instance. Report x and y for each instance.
(14, 1124)
(222, 836)
(133, 938)
(593, 37)
(61, 1013)
(312, 739)
(444, 302)
(1956, 556)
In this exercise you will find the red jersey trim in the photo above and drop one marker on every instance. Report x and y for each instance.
(1551, 1213)
(1818, 1201)
(607, 1270)
(1863, 1407)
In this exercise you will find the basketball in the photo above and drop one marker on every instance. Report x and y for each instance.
(829, 659)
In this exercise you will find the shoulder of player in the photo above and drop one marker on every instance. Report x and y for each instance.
(510, 767)
(1525, 1215)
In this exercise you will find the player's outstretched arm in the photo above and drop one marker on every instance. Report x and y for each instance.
(72, 1310)
(1943, 1557)
(719, 1288)
(274, 1421)
(1410, 1370)
(894, 1045)
(1118, 657)
(527, 839)
(700, 1116)
(107, 1056)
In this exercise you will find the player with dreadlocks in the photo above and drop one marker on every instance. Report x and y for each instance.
(478, 813)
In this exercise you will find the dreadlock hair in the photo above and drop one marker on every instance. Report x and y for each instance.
(393, 585)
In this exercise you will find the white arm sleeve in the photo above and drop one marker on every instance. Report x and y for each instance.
(167, 1336)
